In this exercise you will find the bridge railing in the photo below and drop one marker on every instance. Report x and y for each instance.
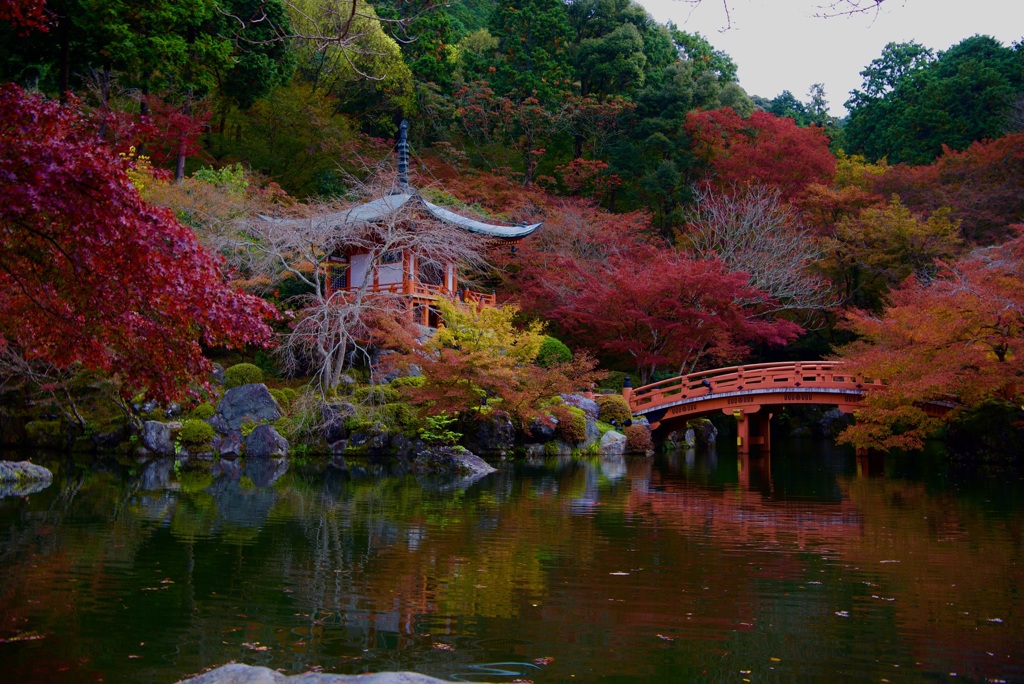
(760, 376)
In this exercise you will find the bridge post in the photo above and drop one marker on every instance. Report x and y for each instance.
(742, 432)
(753, 431)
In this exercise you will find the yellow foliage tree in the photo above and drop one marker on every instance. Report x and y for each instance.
(480, 357)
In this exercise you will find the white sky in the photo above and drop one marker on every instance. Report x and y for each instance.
(780, 45)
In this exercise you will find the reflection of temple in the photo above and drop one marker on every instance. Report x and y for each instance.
(420, 281)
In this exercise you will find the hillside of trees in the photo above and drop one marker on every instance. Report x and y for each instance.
(687, 223)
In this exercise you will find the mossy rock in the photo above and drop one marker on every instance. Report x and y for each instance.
(281, 398)
(397, 416)
(195, 432)
(375, 394)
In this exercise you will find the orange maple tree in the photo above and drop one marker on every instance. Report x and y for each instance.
(956, 337)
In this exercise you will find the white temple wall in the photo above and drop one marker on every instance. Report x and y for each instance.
(360, 269)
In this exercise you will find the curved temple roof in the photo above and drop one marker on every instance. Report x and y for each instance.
(378, 209)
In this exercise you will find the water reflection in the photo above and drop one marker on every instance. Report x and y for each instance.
(693, 565)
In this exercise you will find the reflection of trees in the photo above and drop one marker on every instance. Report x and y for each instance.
(355, 575)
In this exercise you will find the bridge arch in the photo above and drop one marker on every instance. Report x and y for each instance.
(750, 393)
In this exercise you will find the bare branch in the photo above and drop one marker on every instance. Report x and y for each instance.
(753, 231)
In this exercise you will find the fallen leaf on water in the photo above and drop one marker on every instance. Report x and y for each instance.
(775, 660)
(665, 638)
(843, 613)
(443, 647)
(543, 661)
(619, 574)
(255, 646)
(24, 636)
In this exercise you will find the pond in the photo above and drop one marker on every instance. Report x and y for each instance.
(810, 565)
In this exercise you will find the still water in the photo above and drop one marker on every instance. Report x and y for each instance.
(806, 566)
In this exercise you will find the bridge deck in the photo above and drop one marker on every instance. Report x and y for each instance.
(741, 390)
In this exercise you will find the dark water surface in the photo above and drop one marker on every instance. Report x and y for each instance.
(808, 566)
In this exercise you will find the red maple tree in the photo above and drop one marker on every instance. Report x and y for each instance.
(765, 148)
(656, 309)
(93, 277)
(25, 15)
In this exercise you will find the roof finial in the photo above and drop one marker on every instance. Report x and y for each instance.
(403, 156)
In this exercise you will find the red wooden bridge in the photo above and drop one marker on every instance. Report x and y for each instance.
(752, 394)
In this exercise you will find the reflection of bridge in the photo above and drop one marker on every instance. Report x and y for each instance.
(743, 391)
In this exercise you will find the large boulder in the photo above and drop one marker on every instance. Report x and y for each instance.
(230, 446)
(441, 460)
(335, 417)
(613, 443)
(159, 437)
(21, 478)
(593, 433)
(495, 433)
(247, 404)
(543, 430)
(236, 673)
(588, 406)
(264, 442)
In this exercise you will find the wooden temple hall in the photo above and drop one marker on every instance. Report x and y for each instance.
(416, 279)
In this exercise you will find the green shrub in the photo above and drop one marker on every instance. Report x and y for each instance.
(614, 381)
(195, 432)
(552, 352)
(304, 420)
(437, 432)
(202, 412)
(638, 439)
(265, 362)
(614, 407)
(572, 423)
(375, 394)
(242, 374)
